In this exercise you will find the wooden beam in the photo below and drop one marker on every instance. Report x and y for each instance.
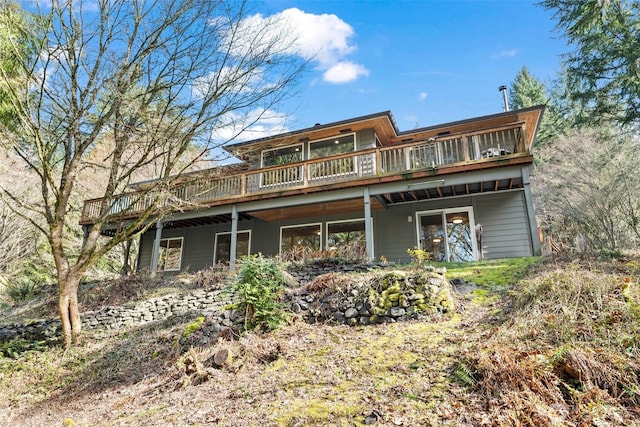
(382, 200)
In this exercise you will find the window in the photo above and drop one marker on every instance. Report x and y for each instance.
(222, 250)
(332, 168)
(347, 236)
(170, 258)
(285, 176)
(306, 236)
(332, 147)
(282, 156)
(447, 235)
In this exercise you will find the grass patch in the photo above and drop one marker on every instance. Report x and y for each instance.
(493, 274)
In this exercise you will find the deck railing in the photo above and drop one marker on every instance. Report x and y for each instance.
(430, 153)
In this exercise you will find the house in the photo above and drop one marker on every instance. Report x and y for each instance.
(458, 190)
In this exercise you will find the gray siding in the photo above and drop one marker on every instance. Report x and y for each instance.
(505, 226)
(365, 139)
(393, 234)
(503, 217)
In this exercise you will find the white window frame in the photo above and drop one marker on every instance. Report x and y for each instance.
(215, 242)
(319, 224)
(443, 213)
(181, 253)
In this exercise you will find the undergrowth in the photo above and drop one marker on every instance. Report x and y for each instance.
(260, 288)
(565, 352)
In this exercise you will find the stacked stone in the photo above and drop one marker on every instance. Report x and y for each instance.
(388, 297)
(201, 301)
(305, 273)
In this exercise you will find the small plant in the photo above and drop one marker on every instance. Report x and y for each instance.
(23, 290)
(193, 326)
(464, 375)
(17, 347)
(419, 256)
(260, 288)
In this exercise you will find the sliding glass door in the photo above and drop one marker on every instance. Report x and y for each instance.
(448, 234)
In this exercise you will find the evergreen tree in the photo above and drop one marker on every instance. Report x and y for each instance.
(603, 69)
(526, 90)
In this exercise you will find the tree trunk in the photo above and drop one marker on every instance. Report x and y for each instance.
(68, 309)
(126, 265)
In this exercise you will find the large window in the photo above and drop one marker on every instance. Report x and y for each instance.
(282, 156)
(306, 236)
(347, 236)
(285, 176)
(332, 168)
(447, 235)
(170, 258)
(222, 251)
(333, 146)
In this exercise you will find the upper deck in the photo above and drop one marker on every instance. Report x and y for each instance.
(487, 142)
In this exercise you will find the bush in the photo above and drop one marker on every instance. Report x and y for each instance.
(260, 288)
(23, 290)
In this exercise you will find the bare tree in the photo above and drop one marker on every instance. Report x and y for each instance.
(586, 189)
(155, 79)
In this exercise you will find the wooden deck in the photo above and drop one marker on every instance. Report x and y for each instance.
(454, 152)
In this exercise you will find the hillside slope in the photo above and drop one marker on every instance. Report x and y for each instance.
(556, 343)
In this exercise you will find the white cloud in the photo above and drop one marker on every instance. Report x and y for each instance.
(322, 39)
(344, 72)
(507, 53)
(256, 124)
(422, 96)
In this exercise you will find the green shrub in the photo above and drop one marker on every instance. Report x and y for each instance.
(260, 288)
(418, 256)
(23, 290)
(17, 347)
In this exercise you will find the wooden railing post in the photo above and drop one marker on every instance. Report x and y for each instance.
(466, 148)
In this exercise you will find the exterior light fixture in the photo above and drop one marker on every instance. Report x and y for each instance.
(409, 218)
(336, 142)
(457, 220)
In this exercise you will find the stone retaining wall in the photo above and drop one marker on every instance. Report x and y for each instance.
(385, 296)
(320, 296)
(201, 301)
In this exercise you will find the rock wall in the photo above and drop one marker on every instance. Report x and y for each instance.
(385, 296)
(323, 294)
(201, 301)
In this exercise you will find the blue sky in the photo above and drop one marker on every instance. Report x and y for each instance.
(429, 62)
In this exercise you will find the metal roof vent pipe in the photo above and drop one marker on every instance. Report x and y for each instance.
(503, 89)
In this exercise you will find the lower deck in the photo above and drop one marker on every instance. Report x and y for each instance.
(462, 228)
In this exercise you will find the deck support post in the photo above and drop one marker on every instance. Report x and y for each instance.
(234, 237)
(531, 214)
(155, 255)
(368, 226)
